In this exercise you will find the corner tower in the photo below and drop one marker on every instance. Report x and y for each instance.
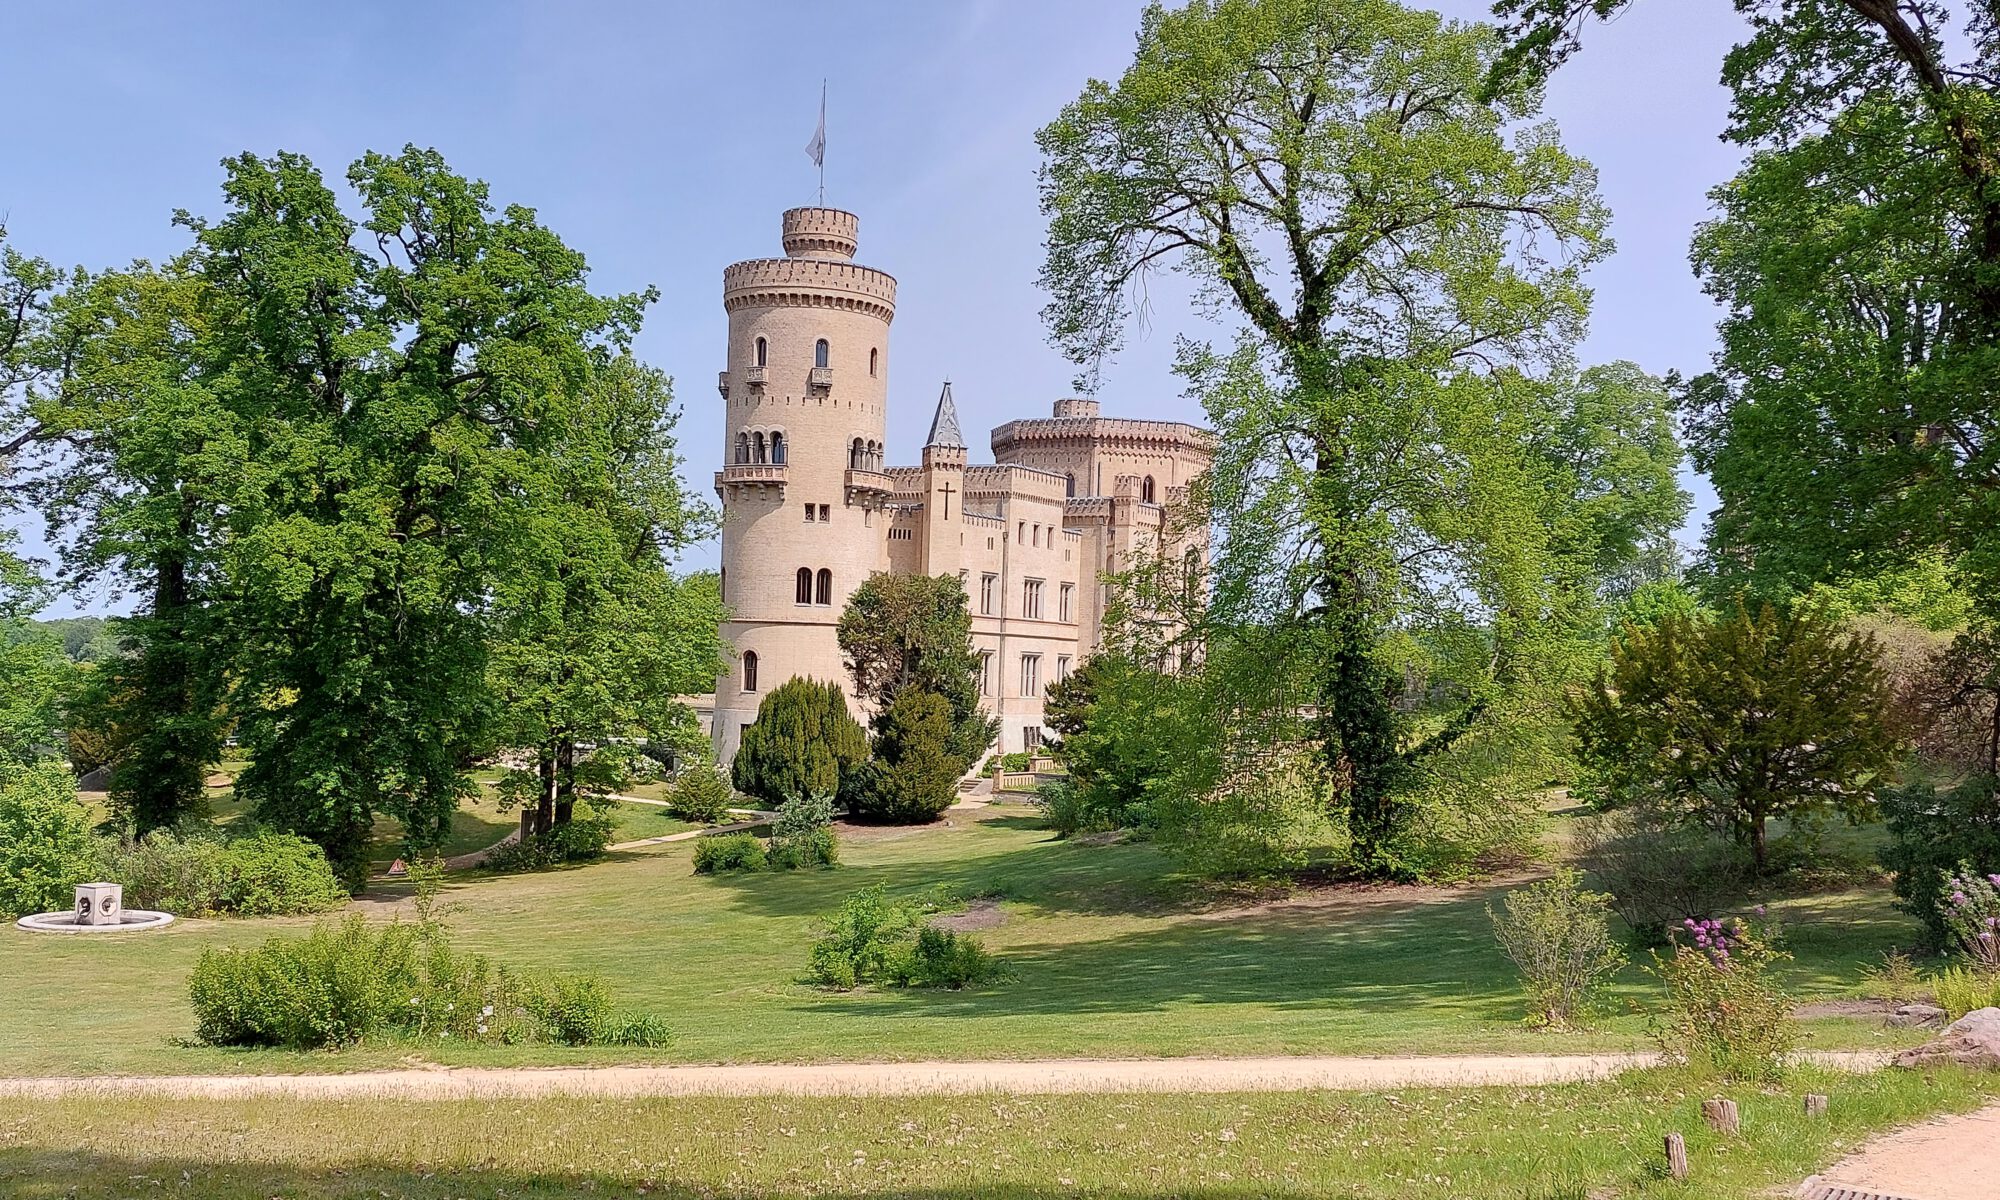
(805, 394)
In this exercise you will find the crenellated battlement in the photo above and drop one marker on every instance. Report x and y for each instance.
(808, 283)
(826, 233)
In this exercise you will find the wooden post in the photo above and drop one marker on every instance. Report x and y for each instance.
(1721, 1116)
(1677, 1156)
(1815, 1105)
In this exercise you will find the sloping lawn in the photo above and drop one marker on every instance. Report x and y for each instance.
(1111, 955)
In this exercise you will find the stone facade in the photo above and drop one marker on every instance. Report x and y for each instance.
(810, 509)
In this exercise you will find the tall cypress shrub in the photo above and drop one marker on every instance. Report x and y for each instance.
(804, 742)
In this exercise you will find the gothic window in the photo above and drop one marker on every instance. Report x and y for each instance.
(742, 447)
(1031, 674)
(1146, 490)
(857, 456)
(872, 352)
(778, 449)
(803, 593)
(874, 456)
(823, 587)
(749, 670)
(1031, 599)
(1066, 602)
(763, 352)
(757, 447)
(1062, 667)
(1069, 484)
(819, 353)
(986, 674)
(986, 583)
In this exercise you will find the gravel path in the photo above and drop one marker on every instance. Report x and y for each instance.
(1951, 1158)
(890, 1079)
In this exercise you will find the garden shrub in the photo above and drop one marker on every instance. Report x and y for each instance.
(1960, 990)
(873, 939)
(1932, 831)
(1559, 937)
(165, 871)
(1066, 810)
(701, 794)
(641, 1030)
(334, 986)
(1970, 903)
(944, 958)
(914, 775)
(804, 740)
(278, 874)
(1726, 1015)
(1659, 871)
(45, 841)
(586, 835)
(802, 835)
(571, 1009)
(729, 852)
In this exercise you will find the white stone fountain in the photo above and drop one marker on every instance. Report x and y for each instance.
(100, 908)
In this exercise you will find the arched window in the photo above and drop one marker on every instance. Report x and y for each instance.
(763, 352)
(819, 353)
(874, 456)
(778, 449)
(749, 670)
(757, 447)
(857, 456)
(1146, 490)
(803, 593)
(743, 447)
(1069, 484)
(823, 592)
(872, 352)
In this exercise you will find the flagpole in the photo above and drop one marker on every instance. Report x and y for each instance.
(822, 152)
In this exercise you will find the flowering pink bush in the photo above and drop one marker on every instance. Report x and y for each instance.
(1725, 1012)
(1971, 907)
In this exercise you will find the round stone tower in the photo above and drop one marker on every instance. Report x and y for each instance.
(802, 487)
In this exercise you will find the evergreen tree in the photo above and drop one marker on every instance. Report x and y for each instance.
(914, 632)
(803, 743)
(915, 772)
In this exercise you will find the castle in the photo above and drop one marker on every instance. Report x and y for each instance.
(809, 510)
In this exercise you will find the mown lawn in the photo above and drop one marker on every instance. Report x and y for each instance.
(1111, 955)
(1599, 1140)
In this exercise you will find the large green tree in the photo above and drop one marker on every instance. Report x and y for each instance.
(595, 638)
(804, 743)
(1405, 260)
(1851, 425)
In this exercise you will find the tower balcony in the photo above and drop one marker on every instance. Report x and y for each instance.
(868, 488)
(753, 376)
(722, 383)
(820, 378)
(750, 476)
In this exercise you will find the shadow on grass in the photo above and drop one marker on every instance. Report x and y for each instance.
(76, 1175)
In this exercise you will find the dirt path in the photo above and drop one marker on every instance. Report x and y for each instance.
(890, 1079)
(1951, 1158)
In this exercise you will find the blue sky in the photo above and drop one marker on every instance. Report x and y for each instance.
(663, 140)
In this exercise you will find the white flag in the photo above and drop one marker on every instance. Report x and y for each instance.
(817, 147)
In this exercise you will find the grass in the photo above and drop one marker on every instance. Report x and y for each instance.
(1600, 1140)
(1112, 955)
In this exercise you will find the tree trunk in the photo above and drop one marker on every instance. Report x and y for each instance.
(565, 798)
(1759, 851)
(545, 799)
(1357, 725)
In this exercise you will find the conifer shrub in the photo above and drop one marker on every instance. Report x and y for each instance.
(914, 775)
(804, 741)
(701, 794)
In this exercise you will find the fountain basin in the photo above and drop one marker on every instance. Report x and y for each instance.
(130, 920)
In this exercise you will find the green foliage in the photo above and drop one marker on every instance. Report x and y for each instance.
(729, 852)
(804, 741)
(192, 874)
(571, 1009)
(871, 938)
(701, 794)
(1063, 806)
(1970, 903)
(1659, 870)
(1421, 505)
(1740, 719)
(942, 958)
(904, 633)
(45, 842)
(1931, 831)
(39, 684)
(333, 987)
(1960, 990)
(915, 772)
(1726, 1013)
(578, 839)
(1100, 717)
(1559, 937)
(802, 834)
